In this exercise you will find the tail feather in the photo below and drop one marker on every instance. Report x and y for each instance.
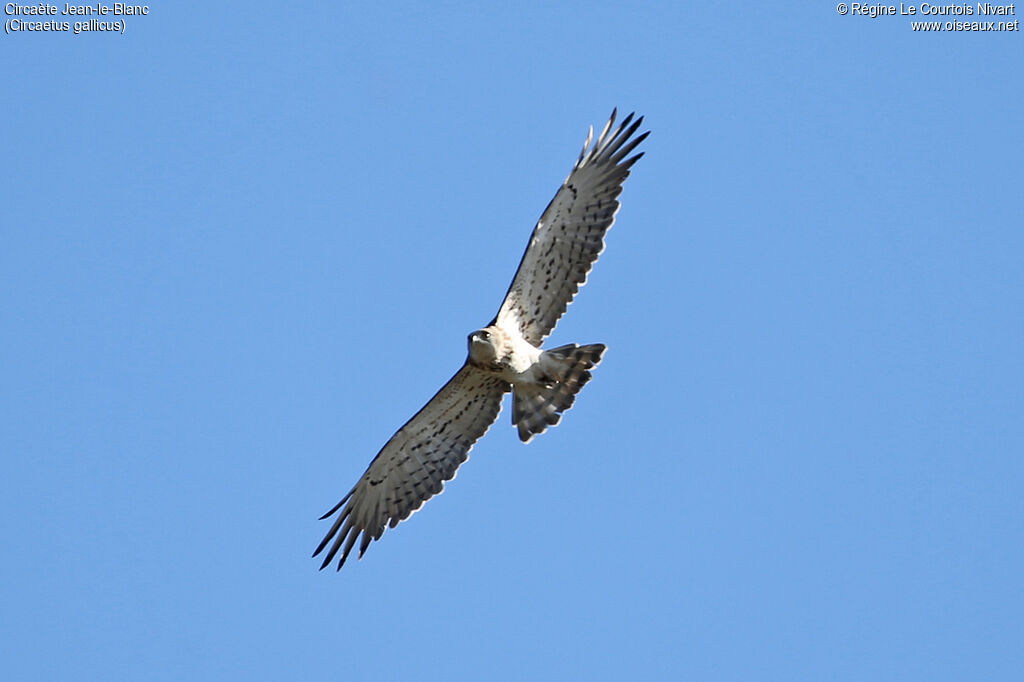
(536, 406)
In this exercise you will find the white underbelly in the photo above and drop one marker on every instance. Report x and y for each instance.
(521, 362)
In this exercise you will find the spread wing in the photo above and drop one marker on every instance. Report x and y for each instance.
(570, 234)
(413, 466)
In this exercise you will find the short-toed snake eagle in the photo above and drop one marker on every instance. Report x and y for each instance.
(505, 355)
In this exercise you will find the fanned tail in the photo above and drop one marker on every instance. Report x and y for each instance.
(566, 370)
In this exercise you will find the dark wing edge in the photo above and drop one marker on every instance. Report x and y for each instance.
(592, 187)
(414, 464)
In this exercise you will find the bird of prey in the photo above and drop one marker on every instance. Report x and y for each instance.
(504, 356)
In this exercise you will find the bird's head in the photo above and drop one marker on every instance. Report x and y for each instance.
(481, 346)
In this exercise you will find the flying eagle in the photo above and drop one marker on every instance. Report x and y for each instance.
(505, 355)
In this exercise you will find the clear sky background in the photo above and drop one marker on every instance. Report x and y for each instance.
(244, 242)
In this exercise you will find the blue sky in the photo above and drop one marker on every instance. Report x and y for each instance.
(243, 243)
